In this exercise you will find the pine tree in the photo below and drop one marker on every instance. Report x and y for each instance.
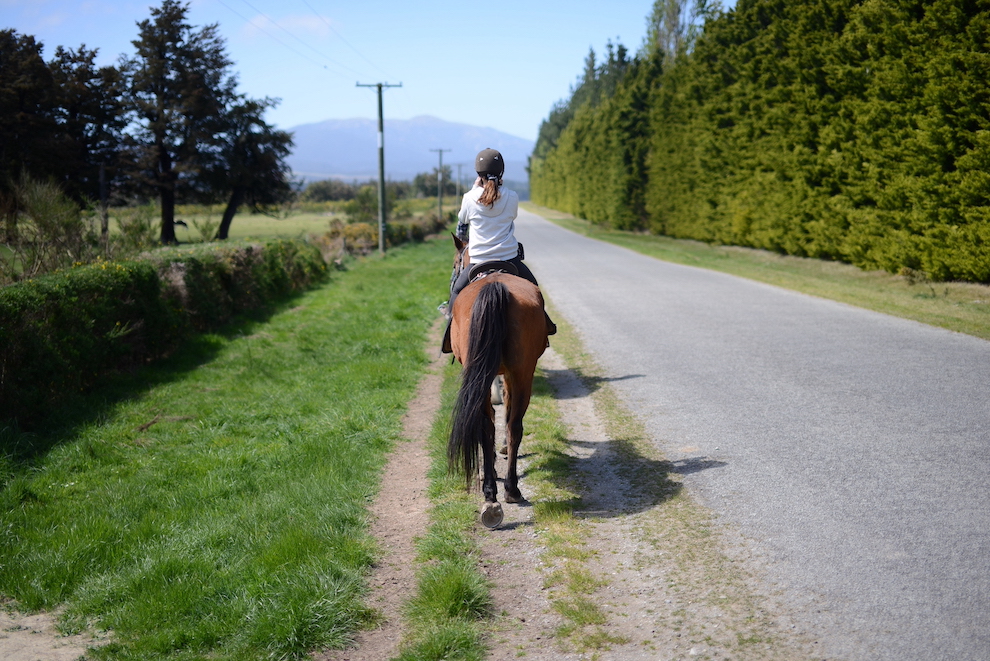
(179, 87)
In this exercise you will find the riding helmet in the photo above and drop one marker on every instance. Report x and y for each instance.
(489, 162)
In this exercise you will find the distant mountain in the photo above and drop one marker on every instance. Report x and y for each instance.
(348, 148)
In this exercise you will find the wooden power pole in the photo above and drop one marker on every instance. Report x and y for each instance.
(381, 165)
(440, 184)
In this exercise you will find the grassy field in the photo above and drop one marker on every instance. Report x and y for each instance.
(956, 306)
(296, 223)
(213, 506)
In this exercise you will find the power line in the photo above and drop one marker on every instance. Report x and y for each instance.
(285, 30)
(300, 54)
(288, 32)
(341, 37)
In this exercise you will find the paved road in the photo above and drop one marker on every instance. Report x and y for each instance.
(850, 450)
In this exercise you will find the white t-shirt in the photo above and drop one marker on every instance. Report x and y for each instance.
(492, 229)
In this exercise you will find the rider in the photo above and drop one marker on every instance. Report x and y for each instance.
(486, 222)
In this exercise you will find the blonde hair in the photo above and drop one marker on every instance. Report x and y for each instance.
(490, 194)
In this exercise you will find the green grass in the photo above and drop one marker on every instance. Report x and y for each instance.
(298, 223)
(957, 306)
(214, 506)
(452, 602)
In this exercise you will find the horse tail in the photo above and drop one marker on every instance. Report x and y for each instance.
(471, 426)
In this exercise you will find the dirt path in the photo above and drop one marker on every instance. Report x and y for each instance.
(35, 638)
(399, 514)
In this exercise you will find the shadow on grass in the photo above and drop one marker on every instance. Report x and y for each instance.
(22, 449)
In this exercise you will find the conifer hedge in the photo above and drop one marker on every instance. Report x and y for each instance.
(849, 130)
(63, 333)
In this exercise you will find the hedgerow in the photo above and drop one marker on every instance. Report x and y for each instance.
(839, 129)
(65, 332)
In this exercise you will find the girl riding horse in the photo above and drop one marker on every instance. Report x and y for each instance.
(486, 222)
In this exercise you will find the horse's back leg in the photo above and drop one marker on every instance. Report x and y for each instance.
(488, 485)
(518, 390)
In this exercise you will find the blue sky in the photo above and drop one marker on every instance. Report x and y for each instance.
(498, 64)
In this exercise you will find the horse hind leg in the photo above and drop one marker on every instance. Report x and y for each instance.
(489, 486)
(491, 511)
(517, 398)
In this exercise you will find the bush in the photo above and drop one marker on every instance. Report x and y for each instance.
(65, 332)
(361, 238)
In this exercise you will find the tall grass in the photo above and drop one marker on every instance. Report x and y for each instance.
(214, 506)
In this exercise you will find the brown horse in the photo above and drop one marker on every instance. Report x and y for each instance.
(498, 327)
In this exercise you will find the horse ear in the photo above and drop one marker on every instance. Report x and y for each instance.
(457, 242)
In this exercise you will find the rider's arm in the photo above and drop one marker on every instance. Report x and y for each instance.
(463, 224)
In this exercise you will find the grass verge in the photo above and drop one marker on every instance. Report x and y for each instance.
(453, 598)
(957, 306)
(213, 506)
(711, 603)
(556, 487)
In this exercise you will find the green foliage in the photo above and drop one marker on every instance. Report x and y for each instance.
(837, 129)
(330, 190)
(49, 231)
(425, 184)
(62, 334)
(217, 510)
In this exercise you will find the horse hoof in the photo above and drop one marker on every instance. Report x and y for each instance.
(491, 515)
(504, 450)
(514, 499)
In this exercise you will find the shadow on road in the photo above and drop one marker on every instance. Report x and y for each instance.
(592, 383)
(613, 473)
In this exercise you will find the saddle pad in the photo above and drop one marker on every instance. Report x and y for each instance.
(484, 268)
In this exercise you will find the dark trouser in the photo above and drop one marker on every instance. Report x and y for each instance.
(462, 280)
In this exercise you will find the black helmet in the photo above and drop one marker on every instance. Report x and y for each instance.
(489, 163)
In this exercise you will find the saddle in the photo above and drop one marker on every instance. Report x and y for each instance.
(479, 271)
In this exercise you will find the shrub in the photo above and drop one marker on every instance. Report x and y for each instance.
(65, 332)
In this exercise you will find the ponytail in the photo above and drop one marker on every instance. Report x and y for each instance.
(490, 194)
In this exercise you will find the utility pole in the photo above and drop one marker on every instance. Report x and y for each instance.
(440, 184)
(381, 165)
(459, 179)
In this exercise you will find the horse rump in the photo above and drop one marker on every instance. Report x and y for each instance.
(471, 424)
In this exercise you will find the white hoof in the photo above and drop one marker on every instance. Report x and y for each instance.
(491, 515)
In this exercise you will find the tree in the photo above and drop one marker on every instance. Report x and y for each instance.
(91, 117)
(28, 129)
(330, 190)
(251, 166)
(425, 183)
(179, 88)
(674, 25)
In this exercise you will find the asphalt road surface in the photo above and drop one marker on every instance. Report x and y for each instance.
(848, 450)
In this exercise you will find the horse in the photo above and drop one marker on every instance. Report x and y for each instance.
(498, 327)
